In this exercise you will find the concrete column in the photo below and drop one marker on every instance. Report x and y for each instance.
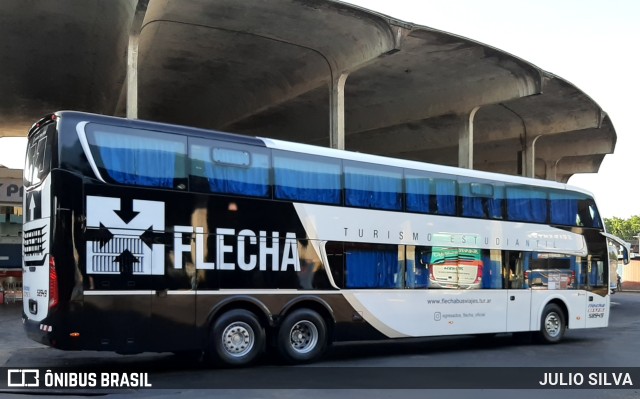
(529, 159)
(336, 112)
(132, 77)
(132, 59)
(552, 170)
(465, 141)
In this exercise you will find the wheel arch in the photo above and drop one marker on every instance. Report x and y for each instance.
(557, 300)
(563, 307)
(262, 312)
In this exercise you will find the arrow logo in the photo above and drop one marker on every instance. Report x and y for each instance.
(32, 207)
(126, 261)
(135, 225)
(101, 234)
(150, 238)
(126, 212)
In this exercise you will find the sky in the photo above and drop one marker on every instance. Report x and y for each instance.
(590, 43)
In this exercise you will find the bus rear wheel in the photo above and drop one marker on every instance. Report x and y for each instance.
(552, 324)
(237, 338)
(302, 337)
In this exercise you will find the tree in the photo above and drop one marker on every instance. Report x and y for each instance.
(627, 229)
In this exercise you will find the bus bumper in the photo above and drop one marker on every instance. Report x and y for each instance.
(44, 332)
(37, 331)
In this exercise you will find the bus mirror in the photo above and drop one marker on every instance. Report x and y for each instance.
(625, 255)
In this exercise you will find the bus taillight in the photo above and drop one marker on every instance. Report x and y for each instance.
(479, 276)
(572, 278)
(53, 283)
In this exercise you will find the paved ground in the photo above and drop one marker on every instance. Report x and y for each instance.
(10, 336)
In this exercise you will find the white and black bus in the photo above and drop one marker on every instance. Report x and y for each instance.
(142, 236)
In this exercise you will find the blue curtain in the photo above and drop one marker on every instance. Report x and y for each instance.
(526, 205)
(491, 272)
(564, 208)
(445, 196)
(496, 203)
(372, 268)
(367, 190)
(472, 206)
(251, 181)
(418, 194)
(307, 180)
(139, 160)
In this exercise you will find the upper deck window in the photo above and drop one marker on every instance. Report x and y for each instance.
(526, 204)
(372, 186)
(573, 209)
(138, 157)
(430, 193)
(307, 178)
(229, 168)
(481, 200)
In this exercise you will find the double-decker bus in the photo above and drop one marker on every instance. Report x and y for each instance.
(142, 236)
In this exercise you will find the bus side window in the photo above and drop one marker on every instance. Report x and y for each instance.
(564, 208)
(514, 269)
(446, 191)
(417, 267)
(308, 178)
(313, 273)
(492, 269)
(372, 266)
(335, 257)
(526, 204)
(418, 192)
(139, 157)
(229, 168)
(474, 199)
(371, 186)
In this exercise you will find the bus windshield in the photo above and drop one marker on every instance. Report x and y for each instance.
(38, 157)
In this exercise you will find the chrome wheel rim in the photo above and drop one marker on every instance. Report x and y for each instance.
(238, 339)
(304, 336)
(552, 325)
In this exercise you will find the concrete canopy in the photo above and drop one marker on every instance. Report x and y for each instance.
(271, 68)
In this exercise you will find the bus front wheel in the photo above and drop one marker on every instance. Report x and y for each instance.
(237, 338)
(552, 324)
(302, 336)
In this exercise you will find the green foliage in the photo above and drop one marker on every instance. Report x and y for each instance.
(626, 229)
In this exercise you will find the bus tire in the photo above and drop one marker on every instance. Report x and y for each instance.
(237, 338)
(302, 336)
(552, 324)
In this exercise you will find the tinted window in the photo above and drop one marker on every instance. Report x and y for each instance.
(526, 204)
(419, 191)
(307, 178)
(371, 186)
(38, 159)
(372, 266)
(481, 199)
(229, 168)
(138, 157)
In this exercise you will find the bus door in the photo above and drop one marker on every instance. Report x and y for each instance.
(518, 294)
(597, 294)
